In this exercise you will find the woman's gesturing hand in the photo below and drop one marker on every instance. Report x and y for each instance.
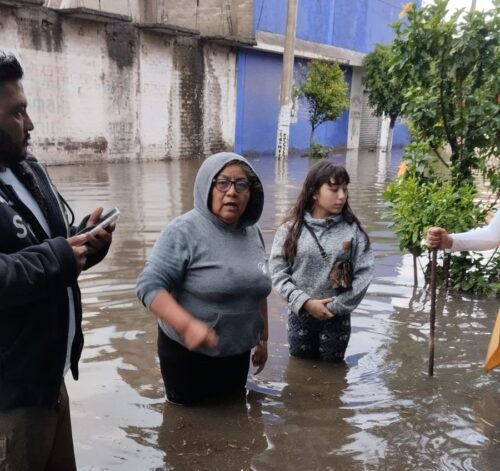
(197, 334)
(317, 308)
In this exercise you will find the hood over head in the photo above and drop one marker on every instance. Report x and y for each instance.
(203, 186)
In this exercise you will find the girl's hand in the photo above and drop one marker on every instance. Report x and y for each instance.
(317, 308)
(259, 357)
(197, 334)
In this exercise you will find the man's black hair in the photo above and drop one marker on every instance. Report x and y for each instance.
(10, 68)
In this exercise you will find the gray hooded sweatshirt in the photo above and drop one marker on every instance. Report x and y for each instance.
(218, 274)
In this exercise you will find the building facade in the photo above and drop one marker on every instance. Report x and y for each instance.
(342, 31)
(168, 79)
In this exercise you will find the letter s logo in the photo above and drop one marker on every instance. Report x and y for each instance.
(18, 222)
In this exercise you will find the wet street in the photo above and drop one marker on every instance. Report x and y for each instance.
(379, 411)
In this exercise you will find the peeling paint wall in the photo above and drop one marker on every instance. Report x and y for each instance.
(210, 17)
(101, 91)
(219, 98)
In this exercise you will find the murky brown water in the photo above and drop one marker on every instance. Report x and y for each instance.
(379, 412)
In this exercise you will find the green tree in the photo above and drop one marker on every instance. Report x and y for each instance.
(419, 199)
(449, 70)
(325, 90)
(385, 92)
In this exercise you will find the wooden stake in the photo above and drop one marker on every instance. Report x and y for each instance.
(433, 312)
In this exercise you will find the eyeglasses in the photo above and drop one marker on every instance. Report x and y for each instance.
(241, 186)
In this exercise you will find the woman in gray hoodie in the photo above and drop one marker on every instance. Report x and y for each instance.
(321, 264)
(207, 282)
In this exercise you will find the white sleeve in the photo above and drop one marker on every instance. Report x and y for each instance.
(484, 238)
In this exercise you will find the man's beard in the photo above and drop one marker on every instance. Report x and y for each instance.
(10, 154)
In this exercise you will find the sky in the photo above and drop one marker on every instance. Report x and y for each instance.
(455, 4)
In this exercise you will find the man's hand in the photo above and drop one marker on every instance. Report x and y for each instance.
(317, 308)
(101, 237)
(197, 334)
(80, 250)
(438, 238)
(259, 357)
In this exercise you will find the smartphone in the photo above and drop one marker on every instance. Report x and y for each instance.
(105, 220)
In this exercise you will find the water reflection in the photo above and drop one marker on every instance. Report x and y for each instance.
(307, 422)
(380, 411)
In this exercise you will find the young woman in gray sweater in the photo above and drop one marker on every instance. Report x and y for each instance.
(321, 264)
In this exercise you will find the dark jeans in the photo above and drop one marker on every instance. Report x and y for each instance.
(191, 377)
(37, 439)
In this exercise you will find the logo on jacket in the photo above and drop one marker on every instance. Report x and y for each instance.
(19, 224)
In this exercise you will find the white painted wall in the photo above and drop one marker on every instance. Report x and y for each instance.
(94, 96)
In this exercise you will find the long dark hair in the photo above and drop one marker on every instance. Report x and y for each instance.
(320, 173)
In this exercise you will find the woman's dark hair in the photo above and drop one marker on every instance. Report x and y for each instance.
(10, 68)
(320, 173)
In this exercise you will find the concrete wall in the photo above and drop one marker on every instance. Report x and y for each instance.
(108, 91)
(210, 17)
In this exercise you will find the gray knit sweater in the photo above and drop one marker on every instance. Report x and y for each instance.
(307, 276)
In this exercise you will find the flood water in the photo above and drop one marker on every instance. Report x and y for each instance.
(379, 411)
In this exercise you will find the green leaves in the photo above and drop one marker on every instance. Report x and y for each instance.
(449, 71)
(417, 204)
(473, 272)
(325, 91)
(385, 90)
(421, 197)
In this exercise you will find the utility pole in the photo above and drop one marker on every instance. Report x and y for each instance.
(473, 5)
(286, 82)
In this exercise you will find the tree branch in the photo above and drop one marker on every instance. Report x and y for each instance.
(439, 157)
(443, 111)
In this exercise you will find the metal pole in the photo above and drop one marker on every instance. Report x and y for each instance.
(286, 82)
(473, 5)
(433, 312)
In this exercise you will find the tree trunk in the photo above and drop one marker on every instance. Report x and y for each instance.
(387, 132)
(391, 132)
(311, 141)
(415, 273)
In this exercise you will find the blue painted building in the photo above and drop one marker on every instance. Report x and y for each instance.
(335, 30)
